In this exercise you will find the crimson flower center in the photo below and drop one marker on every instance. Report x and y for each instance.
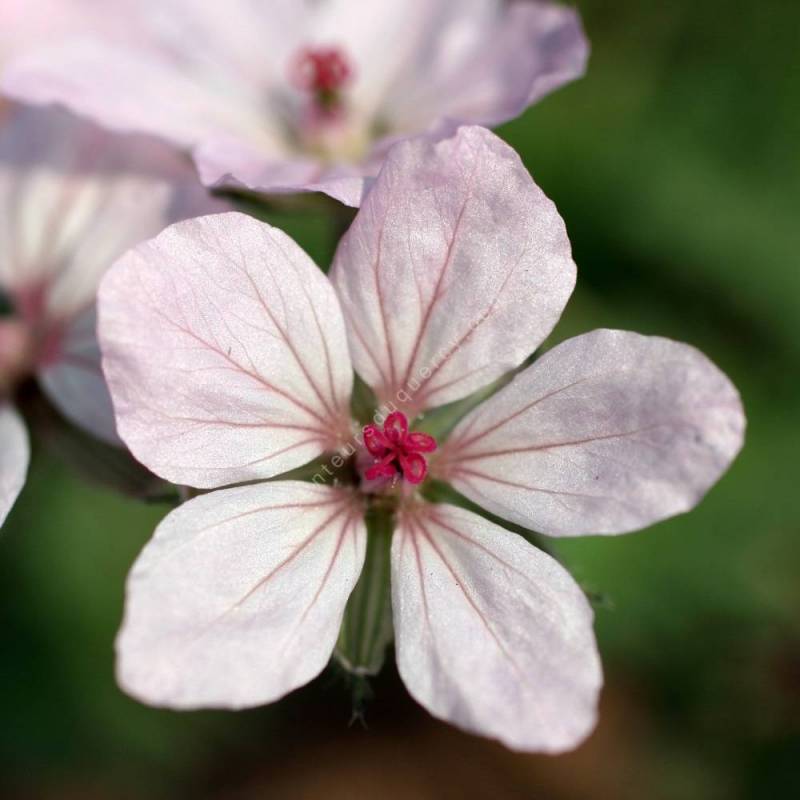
(322, 72)
(396, 451)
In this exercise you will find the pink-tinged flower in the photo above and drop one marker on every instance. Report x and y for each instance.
(293, 95)
(230, 359)
(72, 199)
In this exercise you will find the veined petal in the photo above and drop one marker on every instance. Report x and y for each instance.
(454, 270)
(74, 380)
(14, 456)
(225, 351)
(492, 634)
(606, 433)
(239, 596)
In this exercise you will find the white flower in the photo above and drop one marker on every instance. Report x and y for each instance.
(293, 95)
(230, 359)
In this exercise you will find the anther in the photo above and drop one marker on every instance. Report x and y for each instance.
(395, 451)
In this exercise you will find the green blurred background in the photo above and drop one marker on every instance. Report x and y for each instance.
(676, 165)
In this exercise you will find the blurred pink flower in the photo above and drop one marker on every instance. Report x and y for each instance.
(293, 95)
(72, 199)
(230, 359)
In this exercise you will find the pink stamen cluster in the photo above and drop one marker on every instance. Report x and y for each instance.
(323, 71)
(396, 451)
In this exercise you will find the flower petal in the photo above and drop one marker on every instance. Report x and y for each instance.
(606, 433)
(225, 351)
(74, 381)
(14, 456)
(535, 48)
(118, 87)
(492, 634)
(180, 70)
(239, 596)
(28, 24)
(473, 61)
(231, 162)
(235, 163)
(455, 269)
(73, 198)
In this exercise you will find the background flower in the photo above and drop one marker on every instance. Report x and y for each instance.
(290, 95)
(72, 199)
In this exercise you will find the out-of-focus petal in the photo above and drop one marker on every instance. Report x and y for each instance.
(200, 74)
(499, 66)
(30, 24)
(132, 91)
(251, 41)
(73, 198)
(225, 351)
(239, 596)
(14, 456)
(606, 433)
(557, 53)
(492, 634)
(74, 380)
(231, 163)
(455, 269)
(181, 70)
(228, 162)
(480, 61)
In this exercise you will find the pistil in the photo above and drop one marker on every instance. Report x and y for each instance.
(322, 72)
(396, 452)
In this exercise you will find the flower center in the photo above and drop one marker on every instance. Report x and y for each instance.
(395, 451)
(323, 123)
(322, 72)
